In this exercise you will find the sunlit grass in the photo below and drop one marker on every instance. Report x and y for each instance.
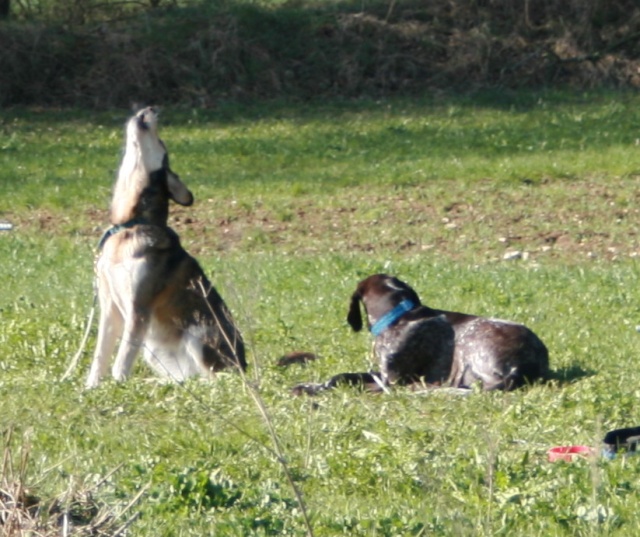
(267, 150)
(293, 206)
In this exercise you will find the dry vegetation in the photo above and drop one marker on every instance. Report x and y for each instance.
(74, 512)
(200, 54)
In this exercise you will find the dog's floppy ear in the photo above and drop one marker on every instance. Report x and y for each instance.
(355, 317)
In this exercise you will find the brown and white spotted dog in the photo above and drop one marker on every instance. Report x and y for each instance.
(414, 343)
(153, 295)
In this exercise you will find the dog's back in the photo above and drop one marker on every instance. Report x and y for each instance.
(153, 294)
(500, 354)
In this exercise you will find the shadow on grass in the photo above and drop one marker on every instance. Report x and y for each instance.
(569, 375)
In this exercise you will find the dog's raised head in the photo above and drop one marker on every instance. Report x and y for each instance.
(379, 294)
(145, 181)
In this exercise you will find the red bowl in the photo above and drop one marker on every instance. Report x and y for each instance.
(569, 453)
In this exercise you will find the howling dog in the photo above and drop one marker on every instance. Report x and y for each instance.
(153, 295)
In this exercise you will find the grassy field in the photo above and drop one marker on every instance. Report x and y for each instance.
(522, 206)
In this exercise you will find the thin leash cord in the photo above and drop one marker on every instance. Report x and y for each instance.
(83, 343)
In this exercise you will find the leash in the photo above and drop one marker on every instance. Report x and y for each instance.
(83, 344)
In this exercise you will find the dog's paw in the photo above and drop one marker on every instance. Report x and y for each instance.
(90, 384)
(307, 389)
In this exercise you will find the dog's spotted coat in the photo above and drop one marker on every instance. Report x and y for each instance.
(439, 347)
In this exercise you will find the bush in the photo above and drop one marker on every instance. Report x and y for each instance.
(199, 54)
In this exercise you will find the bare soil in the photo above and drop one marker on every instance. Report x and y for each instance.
(568, 221)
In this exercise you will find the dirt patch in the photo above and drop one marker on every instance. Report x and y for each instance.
(570, 221)
(561, 220)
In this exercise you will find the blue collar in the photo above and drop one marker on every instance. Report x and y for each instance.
(117, 229)
(391, 317)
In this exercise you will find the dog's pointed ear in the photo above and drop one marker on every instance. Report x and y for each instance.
(178, 192)
(354, 318)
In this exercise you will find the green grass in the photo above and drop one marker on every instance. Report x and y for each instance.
(293, 206)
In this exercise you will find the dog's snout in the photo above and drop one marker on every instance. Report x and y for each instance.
(147, 117)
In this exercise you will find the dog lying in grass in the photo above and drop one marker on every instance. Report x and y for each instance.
(153, 295)
(414, 343)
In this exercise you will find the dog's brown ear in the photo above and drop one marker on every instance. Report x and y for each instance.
(177, 191)
(355, 317)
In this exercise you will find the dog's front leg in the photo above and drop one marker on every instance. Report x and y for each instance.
(109, 329)
(132, 339)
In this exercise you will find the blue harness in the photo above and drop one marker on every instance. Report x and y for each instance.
(391, 317)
